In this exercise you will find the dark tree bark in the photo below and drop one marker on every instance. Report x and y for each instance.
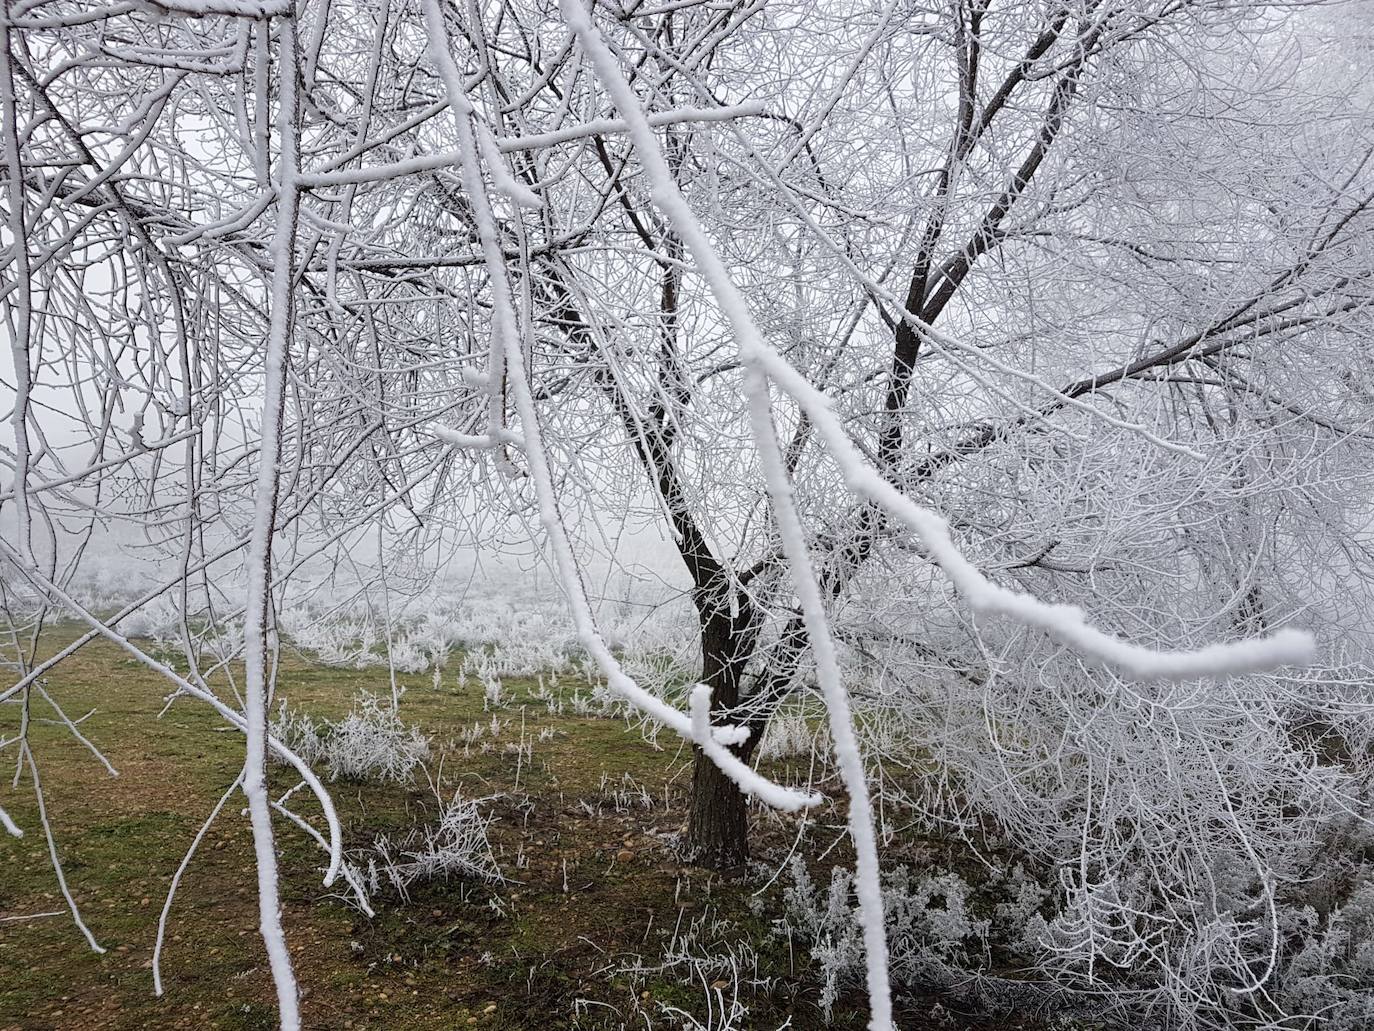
(718, 824)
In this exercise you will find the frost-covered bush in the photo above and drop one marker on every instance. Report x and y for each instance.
(158, 620)
(412, 654)
(372, 743)
(336, 639)
(299, 732)
(1175, 830)
(1331, 972)
(502, 628)
(932, 933)
(1323, 960)
(787, 735)
(455, 846)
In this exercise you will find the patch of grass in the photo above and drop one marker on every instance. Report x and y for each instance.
(591, 890)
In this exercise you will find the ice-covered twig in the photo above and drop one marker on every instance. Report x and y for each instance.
(10, 826)
(605, 126)
(52, 851)
(381, 173)
(504, 329)
(176, 882)
(476, 442)
(259, 557)
(71, 726)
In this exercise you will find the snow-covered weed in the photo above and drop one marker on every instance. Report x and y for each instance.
(625, 795)
(787, 735)
(455, 846)
(600, 702)
(372, 743)
(714, 956)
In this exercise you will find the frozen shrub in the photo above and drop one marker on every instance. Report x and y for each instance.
(456, 846)
(931, 931)
(298, 732)
(1332, 970)
(1017, 915)
(157, 620)
(371, 743)
(408, 655)
(787, 735)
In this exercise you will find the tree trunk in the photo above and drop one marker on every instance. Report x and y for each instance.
(718, 823)
(718, 826)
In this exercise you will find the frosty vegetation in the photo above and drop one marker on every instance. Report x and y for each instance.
(990, 379)
(371, 743)
(455, 845)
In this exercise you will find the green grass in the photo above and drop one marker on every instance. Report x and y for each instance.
(519, 955)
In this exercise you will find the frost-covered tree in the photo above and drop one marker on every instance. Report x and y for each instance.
(901, 321)
(1020, 248)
